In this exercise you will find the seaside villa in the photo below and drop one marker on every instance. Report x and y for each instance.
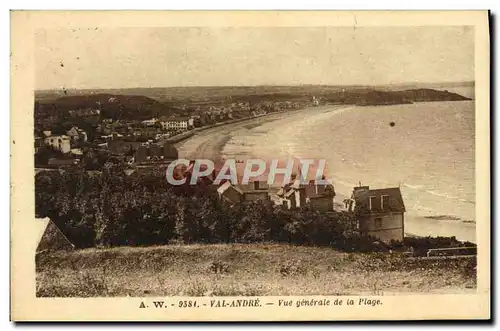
(380, 212)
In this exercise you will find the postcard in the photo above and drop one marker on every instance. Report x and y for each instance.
(250, 165)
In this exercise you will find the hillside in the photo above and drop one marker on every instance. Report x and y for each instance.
(138, 107)
(244, 270)
(425, 95)
(115, 106)
(104, 99)
(374, 97)
(199, 93)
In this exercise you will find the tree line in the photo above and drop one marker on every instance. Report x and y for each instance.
(109, 208)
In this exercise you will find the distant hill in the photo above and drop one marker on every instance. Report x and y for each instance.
(214, 93)
(370, 98)
(421, 95)
(94, 100)
(137, 107)
(114, 106)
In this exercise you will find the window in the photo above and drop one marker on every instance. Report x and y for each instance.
(375, 203)
(385, 202)
(378, 223)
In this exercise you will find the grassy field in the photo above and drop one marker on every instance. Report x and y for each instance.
(244, 270)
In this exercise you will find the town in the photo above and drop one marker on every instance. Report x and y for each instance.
(129, 129)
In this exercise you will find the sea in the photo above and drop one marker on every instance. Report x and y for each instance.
(427, 149)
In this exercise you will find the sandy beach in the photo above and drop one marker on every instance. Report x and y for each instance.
(210, 143)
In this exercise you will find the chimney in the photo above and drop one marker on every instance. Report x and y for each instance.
(361, 188)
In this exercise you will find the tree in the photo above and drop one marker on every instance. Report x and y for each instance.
(45, 153)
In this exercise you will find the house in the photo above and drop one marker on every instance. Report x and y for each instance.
(177, 123)
(294, 198)
(315, 101)
(315, 188)
(112, 136)
(77, 152)
(293, 195)
(50, 237)
(150, 122)
(230, 193)
(85, 112)
(120, 147)
(379, 212)
(254, 191)
(61, 143)
(155, 154)
(77, 135)
(319, 195)
(39, 142)
(73, 133)
(321, 203)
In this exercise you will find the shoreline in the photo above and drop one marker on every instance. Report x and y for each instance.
(233, 125)
(211, 143)
(180, 138)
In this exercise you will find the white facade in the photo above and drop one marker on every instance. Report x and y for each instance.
(177, 124)
(62, 143)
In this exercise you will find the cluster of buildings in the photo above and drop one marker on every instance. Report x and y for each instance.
(293, 195)
(69, 145)
(116, 137)
(85, 112)
(379, 212)
(137, 132)
(150, 128)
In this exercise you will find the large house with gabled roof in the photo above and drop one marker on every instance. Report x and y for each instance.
(379, 212)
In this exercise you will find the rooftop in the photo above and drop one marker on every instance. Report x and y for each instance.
(362, 195)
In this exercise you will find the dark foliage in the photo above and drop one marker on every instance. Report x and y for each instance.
(45, 153)
(112, 209)
(109, 208)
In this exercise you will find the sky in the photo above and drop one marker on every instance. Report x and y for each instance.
(163, 57)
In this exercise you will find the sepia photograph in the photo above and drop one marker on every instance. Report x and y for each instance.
(319, 162)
